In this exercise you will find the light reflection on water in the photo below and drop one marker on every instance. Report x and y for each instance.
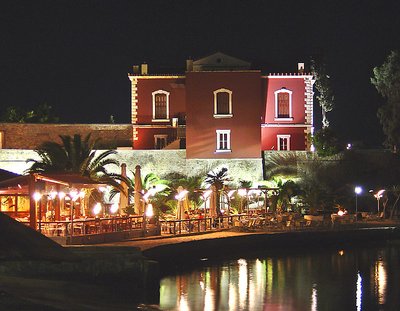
(346, 279)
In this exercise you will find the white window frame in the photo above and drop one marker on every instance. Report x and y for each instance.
(219, 115)
(228, 141)
(162, 136)
(283, 90)
(278, 138)
(154, 105)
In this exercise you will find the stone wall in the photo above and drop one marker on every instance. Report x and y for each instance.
(30, 136)
(160, 162)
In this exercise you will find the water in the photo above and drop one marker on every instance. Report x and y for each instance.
(355, 278)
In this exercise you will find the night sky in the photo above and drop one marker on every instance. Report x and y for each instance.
(75, 55)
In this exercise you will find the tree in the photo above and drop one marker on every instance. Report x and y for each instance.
(323, 88)
(386, 80)
(218, 179)
(77, 156)
(190, 183)
(41, 114)
(325, 142)
(149, 181)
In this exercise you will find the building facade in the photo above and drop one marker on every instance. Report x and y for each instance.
(221, 108)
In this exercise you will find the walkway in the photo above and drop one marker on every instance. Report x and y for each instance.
(151, 242)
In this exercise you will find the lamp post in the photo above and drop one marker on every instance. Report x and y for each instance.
(357, 191)
(378, 195)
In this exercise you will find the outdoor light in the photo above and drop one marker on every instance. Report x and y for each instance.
(242, 192)
(378, 195)
(206, 194)
(61, 195)
(37, 196)
(74, 194)
(181, 195)
(97, 209)
(53, 194)
(230, 193)
(152, 191)
(357, 191)
(149, 210)
(348, 147)
(114, 208)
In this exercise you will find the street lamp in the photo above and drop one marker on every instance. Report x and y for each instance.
(378, 195)
(357, 191)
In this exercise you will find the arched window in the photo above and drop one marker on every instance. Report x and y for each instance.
(222, 103)
(160, 105)
(283, 105)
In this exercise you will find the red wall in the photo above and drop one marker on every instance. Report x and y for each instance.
(297, 86)
(176, 88)
(244, 125)
(146, 137)
(297, 137)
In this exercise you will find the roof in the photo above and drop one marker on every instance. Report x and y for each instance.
(4, 175)
(220, 62)
(20, 183)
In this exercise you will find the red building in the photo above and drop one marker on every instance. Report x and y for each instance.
(221, 108)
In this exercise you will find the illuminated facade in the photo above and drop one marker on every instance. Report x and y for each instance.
(221, 108)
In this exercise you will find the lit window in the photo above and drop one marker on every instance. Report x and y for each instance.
(160, 141)
(160, 105)
(222, 103)
(223, 141)
(283, 142)
(283, 105)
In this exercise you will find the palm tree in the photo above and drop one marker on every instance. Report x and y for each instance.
(149, 181)
(191, 183)
(76, 156)
(218, 179)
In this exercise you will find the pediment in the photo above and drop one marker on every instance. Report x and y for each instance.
(220, 61)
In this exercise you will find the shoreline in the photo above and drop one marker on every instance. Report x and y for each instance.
(179, 250)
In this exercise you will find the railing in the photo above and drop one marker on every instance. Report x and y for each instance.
(80, 227)
(85, 227)
(197, 225)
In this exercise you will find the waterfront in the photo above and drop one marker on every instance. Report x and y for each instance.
(302, 270)
(338, 278)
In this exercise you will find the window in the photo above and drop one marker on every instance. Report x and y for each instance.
(283, 105)
(222, 103)
(283, 142)
(223, 141)
(160, 141)
(160, 105)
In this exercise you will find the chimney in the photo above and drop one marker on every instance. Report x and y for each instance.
(144, 69)
(300, 68)
(189, 65)
(136, 69)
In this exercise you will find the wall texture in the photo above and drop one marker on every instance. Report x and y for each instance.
(160, 162)
(30, 136)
